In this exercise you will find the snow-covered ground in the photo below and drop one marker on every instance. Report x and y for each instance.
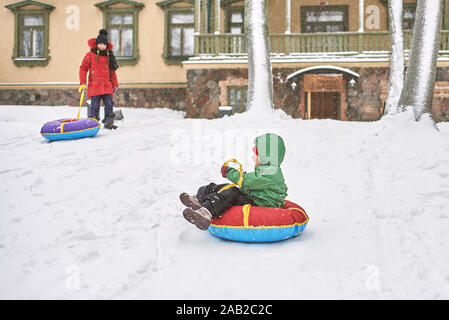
(100, 217)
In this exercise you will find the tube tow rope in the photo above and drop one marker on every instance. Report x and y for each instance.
(82, 88)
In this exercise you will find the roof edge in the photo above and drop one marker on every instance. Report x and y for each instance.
(304, 70)
(18, 5)
(111, 2)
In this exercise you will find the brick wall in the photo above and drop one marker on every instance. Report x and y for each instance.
(173, 98)
(206, 90)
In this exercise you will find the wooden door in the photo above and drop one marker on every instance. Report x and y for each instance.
(325, 105)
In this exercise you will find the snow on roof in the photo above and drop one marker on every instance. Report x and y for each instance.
(345, 70)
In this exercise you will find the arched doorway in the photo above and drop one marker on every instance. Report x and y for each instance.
(325, 96)
(323, 91)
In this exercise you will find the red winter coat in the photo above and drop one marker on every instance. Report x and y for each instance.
(102, 80)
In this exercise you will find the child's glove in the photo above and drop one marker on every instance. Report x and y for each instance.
(224, 171)
(114, 90)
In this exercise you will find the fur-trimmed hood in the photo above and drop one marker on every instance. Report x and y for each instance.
(92, 43)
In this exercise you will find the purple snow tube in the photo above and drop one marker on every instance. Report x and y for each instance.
(67, 129)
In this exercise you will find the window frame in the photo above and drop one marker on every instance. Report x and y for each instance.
(343, 8)
(22, 28)
(19, 13)
(170, 59)
(411, 5)
(243, 103)
(108, 26)
(133, 9)
(228, 21)
(182, 25)
(169, 6)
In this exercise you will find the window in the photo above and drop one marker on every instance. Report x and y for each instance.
(32, 30)
(180, 34)
(409, 15)
(235, 20)
(324, 19)
(179, 42)
(120, 18)
(237, 98)
(31, 33)
(121, 33)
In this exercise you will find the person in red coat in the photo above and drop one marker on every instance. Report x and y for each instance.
(101, 64)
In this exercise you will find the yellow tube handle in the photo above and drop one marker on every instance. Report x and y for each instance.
(240, 169)
(81, 89)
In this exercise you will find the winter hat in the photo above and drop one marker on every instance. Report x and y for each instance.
(102, 37)
(270, 148)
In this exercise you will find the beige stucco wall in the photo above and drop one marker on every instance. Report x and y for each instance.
(353, 12)
(68, 47)
(277, 10)
(276, 16)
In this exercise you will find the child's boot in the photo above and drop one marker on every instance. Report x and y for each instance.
(200, 217)
(190, 201)
(109, 122)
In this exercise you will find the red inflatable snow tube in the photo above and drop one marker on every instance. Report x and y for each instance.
(260, 224)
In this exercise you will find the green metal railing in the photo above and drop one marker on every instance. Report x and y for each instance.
(338, 43)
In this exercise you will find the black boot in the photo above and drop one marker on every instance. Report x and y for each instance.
(109, 122)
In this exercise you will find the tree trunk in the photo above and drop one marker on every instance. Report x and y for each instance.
(260, 79)
(420, 78)
(396, 79)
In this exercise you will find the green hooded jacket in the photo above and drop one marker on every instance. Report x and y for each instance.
(266, 185)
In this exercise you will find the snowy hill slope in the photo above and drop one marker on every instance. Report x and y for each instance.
(100, 217)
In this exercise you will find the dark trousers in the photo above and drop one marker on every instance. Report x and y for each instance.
(218, 202)
(95, 106)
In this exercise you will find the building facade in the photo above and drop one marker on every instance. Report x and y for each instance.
(330, 58)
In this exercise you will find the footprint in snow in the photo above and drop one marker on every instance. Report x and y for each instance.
(7, 171)
(38, 182)
(90, 256)
(24, 173)
(114, 181)
(68, 154)
(86, 236)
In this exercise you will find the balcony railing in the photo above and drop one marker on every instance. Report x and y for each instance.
(306, 43)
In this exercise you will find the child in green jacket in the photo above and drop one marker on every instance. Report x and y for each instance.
(265, 187)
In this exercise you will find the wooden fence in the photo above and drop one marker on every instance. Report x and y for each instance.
(341, 42)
